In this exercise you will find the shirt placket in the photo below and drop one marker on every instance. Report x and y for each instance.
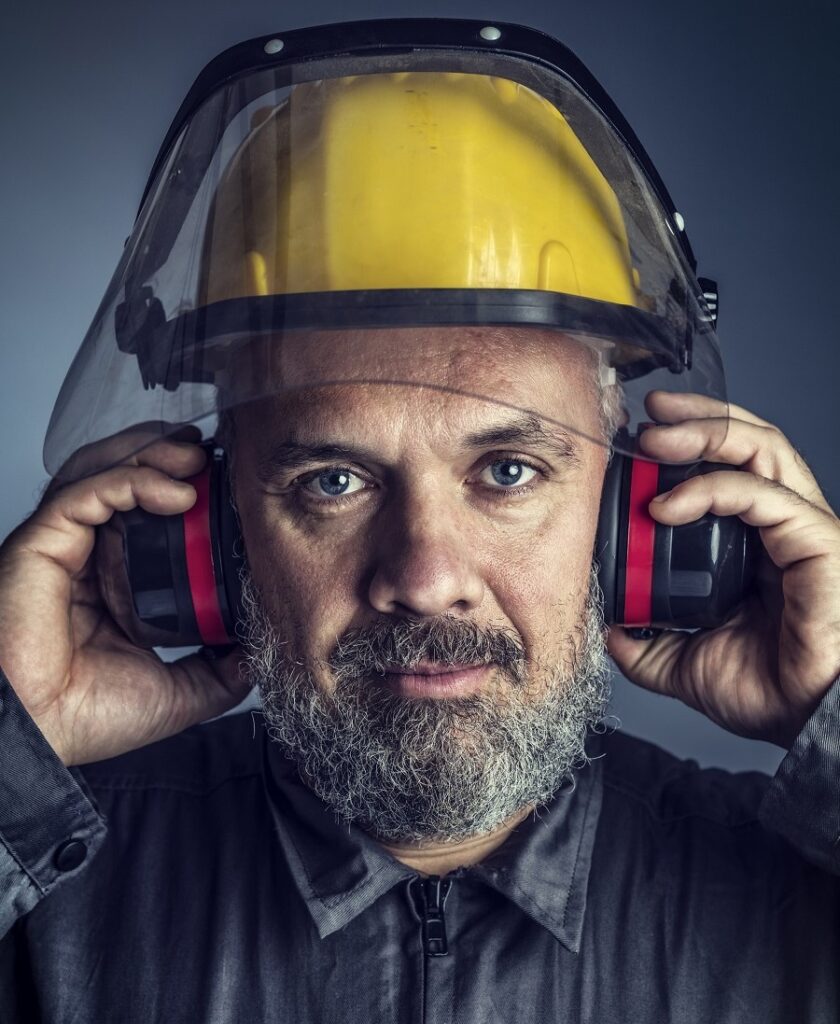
(433, 907)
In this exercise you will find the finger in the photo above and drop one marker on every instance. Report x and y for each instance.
(792, 529)
(652, 664)
(674, 406)
(62, 528)
(763, 450)
(122, 446)
(177, 459)
(209, 686)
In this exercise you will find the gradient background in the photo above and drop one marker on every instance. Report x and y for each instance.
(736, 103)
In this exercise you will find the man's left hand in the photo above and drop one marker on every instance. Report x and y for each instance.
(763, 672)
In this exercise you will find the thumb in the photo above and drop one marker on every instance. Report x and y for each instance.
(651, 664)
(211, 683)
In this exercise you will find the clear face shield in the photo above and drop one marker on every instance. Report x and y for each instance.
(446, 219)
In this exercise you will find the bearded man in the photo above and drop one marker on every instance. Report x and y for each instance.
(467, 422)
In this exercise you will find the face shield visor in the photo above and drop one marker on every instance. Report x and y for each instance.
(353, 208)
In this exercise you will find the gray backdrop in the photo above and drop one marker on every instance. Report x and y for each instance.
(735, 101)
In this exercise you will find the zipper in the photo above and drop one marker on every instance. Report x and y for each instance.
(429, 895)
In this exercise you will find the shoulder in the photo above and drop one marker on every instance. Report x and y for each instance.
(666, 788)
(688, 830)
(197, 761)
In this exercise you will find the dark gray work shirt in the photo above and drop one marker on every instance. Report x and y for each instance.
(216, 888)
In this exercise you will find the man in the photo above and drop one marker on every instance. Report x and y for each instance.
(416, 419)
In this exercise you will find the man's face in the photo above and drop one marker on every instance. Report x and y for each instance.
(421, 563)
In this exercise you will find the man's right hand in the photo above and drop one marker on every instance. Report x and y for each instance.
(90, 690)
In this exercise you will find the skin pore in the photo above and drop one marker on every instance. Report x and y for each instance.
(407, 525)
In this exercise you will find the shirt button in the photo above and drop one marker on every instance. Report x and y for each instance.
(70, 855)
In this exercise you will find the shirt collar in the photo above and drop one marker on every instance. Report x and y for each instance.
(339, 870)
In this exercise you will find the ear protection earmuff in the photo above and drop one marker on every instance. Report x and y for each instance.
(173, 581)
(684, 577)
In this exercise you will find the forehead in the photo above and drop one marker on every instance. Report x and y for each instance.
(440, 378)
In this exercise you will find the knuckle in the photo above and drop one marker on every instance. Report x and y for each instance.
(111, 488)
(766, 463)
(143, 475)
(775, 439)
(712, 444)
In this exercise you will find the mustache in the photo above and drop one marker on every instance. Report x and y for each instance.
(404, 643)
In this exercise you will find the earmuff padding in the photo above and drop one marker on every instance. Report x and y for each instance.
(608, 542)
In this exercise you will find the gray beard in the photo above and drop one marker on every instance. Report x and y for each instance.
(413, 770)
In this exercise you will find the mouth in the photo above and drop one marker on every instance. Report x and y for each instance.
(437, 679)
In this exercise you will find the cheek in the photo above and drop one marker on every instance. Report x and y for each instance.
(540, 580)
(309, 579)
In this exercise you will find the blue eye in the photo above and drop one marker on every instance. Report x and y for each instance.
(334, 483)
(509, 473)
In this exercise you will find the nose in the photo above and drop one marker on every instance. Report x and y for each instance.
(424, 563)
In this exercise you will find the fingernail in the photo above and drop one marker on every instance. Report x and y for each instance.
(663, 497)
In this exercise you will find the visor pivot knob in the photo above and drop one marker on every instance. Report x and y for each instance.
(274, 46)
(490, 34)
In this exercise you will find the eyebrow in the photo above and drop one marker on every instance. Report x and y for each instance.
(527, 430)
(294, 454)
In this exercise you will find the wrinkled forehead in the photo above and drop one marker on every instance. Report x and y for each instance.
(435, 370)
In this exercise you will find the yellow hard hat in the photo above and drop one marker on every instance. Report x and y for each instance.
(367, 178)
(415, 180)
